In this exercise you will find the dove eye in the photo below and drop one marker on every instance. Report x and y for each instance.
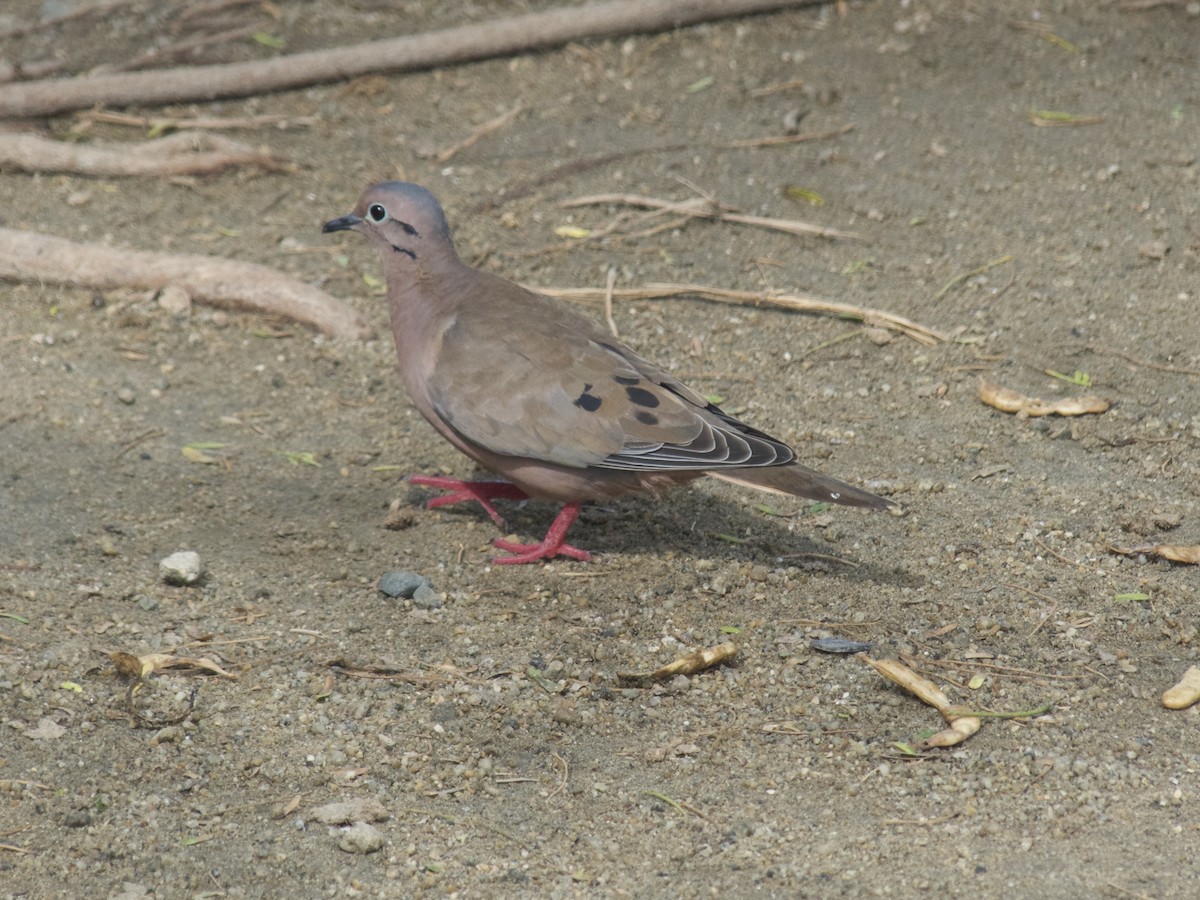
(376, 213)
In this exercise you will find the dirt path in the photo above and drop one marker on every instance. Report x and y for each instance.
(505, 755)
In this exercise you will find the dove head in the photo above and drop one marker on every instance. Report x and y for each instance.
(404, 220)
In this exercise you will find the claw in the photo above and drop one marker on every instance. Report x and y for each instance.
(553, 544)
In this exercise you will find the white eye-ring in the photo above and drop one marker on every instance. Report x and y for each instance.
(376, 213)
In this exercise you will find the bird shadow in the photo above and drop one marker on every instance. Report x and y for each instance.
(702, 525)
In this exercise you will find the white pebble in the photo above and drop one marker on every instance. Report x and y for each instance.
(181, 568)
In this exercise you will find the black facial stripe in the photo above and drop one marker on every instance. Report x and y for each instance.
(408, 229)
(404, 250)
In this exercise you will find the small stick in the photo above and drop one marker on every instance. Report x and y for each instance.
(769, 89)
(963, 276)
(23, 71)
(1056, 555)
(565, 775)
(158, 124)
(608, 298)
(482, 131)
(578, 166)
(159, 55)
(1133, 360)
(774, 140)
(79, 13)
(919, 333)
(703, 208)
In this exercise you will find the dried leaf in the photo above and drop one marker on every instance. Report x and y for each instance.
(698, 661)
(298, 457)
(127, 665)
(799, 193)
(917, 685)
(1173, 552)
(1010, 401)
(196, 455)
(46, 730)
(155, 662)
(1051, 118)
(347, 812)
(1185, 693)
(572, 231)
(960, 729)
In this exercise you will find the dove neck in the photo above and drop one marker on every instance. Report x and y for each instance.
(423, 298)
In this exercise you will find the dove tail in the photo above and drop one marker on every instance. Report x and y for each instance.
(799, 481)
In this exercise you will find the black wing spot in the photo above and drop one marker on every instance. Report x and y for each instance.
(646, 418)
(641, 397)
(626, 379)
(588, 402)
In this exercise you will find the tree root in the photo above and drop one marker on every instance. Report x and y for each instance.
(29, 256)
(532, 31)
(177, 154)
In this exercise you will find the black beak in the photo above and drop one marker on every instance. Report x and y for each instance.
(343, 223)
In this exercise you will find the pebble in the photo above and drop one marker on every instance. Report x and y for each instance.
(171, 734)
(347, 812)
(425, 597)
(402, 584)
(361, 838)
(174, 299)
(181, 568)
(841, 645)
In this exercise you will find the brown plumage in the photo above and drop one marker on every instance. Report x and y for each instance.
(541, 395)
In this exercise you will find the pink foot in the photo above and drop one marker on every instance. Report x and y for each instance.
(553, 544)
(481, 492)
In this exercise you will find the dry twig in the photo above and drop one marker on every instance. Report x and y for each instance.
(704, 208)
(162, 124)
(482, 131)
(919, 333)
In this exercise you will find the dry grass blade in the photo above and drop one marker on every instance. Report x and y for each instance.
(920, 333)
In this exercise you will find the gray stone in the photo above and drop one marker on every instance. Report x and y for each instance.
(402, 584)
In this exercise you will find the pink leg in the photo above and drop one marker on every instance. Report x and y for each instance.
(461, 491)
(553, 544)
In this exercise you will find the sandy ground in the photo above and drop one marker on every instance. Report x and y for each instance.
(496, 751)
